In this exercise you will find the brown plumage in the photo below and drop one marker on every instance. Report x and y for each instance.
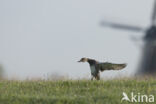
(96, 66)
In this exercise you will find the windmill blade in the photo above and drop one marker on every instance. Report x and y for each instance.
(154, 12)
(122, 26)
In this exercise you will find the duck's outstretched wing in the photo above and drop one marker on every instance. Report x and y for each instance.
(110, 66)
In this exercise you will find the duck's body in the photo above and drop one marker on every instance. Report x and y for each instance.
(96, 67)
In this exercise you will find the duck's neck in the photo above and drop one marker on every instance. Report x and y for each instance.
(91, 62)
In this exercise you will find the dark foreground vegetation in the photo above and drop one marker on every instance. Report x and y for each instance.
(73, 92)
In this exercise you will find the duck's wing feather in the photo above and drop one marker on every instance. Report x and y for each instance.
(110, 66)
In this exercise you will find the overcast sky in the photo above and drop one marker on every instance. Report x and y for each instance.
(41, 37)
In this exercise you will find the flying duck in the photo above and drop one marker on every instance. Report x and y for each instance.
(96, 67)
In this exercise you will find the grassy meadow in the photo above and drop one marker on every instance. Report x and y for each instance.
(73, 91)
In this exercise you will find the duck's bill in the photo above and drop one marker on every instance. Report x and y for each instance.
(79, 61)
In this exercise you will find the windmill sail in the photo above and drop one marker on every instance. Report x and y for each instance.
(148, 65)
(148, 62)
(122, 26)
(154, 13)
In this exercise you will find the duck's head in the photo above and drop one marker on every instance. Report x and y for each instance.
(83, 60)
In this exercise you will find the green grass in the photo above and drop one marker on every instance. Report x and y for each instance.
(73, 92)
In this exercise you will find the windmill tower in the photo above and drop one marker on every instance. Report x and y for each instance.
(148, 60)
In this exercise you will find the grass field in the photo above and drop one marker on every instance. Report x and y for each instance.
(73, 91)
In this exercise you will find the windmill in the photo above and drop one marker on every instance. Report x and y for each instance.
(148, 61)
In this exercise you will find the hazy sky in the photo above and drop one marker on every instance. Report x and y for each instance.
(40, 37)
